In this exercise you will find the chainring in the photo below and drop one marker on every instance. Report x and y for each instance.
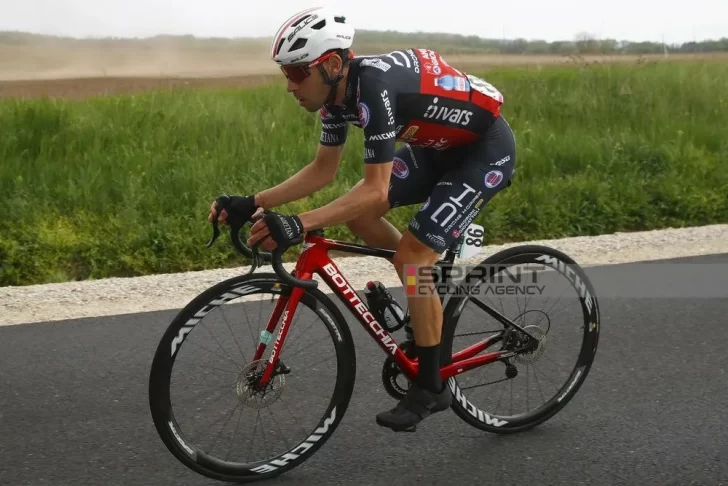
(391, 372)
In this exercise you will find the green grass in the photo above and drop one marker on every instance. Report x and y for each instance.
(121, 186)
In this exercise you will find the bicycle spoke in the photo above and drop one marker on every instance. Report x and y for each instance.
(511, 397)
(214, 441)
(235, 433)
(288, 446)
(198, 365)
(221, 348)
(192, 343)
(262, 431)
(483, 306)
(253, 340)
(218, 388)
(317, 363)
(520, 312)
(528, 407)
(551, 318)
(291, 355)
(297, 421)
(549, 359)
(503, 390)
(227, 323)
(528, 298)
(252, 441)
(546, 377)
(552, 305)
(538, 383)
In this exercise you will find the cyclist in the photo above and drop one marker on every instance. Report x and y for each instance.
(458, 153)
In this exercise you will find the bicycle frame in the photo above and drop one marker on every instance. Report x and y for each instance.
(314, 259)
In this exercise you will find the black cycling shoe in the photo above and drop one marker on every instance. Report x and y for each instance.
(417, 405)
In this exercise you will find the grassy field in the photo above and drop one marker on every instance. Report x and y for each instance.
(121, 186)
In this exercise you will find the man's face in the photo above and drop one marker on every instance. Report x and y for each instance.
(311, 93)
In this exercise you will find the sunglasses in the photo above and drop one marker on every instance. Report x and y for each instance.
(299, 72)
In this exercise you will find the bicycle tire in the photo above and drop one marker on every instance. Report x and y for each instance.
(161, 370)
(499, 424)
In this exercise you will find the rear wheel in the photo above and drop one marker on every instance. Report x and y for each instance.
(516, 277)
(193, 427)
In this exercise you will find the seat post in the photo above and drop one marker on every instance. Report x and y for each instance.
(452, 250)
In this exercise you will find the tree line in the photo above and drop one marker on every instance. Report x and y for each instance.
(582, 44)
(367, 41)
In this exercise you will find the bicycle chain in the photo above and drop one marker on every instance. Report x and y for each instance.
(484, 384)
(478, 332)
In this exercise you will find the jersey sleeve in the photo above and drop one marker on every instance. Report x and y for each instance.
(333, 129)
(377, 101)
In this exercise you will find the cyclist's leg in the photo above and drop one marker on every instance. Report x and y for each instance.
(477, 173)
(410, 183)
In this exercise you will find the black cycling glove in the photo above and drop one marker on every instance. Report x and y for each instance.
(285, 230)
(240, 210)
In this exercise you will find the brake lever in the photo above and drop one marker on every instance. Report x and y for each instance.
(234, 235)
(256, 258)
(222, 203)
(258, 261)
(215, 233)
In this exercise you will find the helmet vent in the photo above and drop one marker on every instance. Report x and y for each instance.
(280, 44)
(319, 25)
(300, 42)
(341, 20)
(300, 20)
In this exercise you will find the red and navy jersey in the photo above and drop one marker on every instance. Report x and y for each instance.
(412, 96)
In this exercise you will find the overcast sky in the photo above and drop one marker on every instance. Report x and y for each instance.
(532, 19)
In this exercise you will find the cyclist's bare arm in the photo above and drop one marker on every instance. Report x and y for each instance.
(317, 174)
(373, 190)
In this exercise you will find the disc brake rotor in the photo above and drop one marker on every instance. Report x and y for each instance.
(250, 395)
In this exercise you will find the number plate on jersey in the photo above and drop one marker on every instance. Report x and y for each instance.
(472, 241)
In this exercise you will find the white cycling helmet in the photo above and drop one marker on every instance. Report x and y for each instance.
(306, 36)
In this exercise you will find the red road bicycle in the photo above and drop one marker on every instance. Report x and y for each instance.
(260, 381)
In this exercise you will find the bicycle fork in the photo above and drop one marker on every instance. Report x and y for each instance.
(284, 311)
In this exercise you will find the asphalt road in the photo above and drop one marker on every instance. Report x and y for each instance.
(654, 409)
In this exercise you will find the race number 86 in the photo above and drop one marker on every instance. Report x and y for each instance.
(474, 237)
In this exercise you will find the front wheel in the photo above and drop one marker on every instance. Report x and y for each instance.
(546, 377)
(226, 426)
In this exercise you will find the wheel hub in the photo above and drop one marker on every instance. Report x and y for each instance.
(531, 356)
(253, 396)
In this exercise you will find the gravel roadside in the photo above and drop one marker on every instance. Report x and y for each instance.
(114, 296)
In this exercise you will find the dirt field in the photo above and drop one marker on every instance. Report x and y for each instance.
(81, 88)
(97, 77)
